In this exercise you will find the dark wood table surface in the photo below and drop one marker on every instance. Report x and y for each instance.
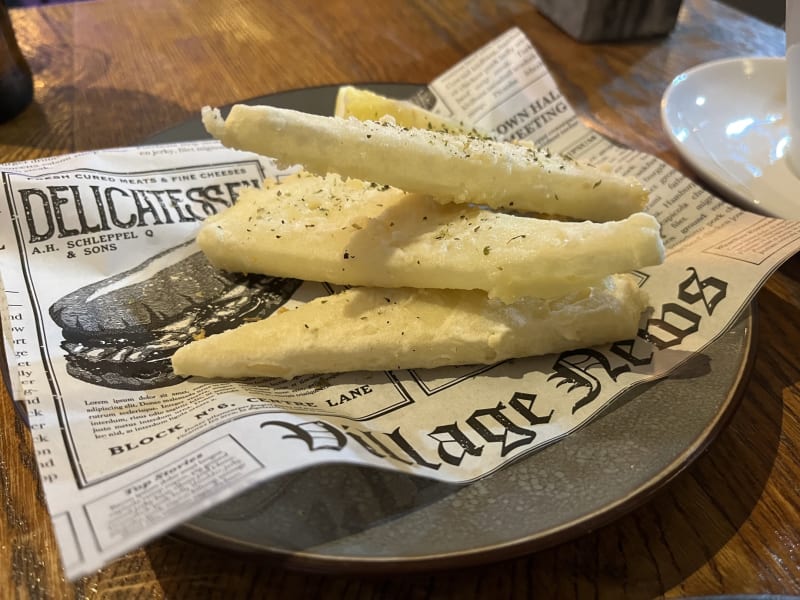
(113, 72)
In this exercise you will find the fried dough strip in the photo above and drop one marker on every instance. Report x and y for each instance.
(355, 233)
(450, 167)
(388, 329)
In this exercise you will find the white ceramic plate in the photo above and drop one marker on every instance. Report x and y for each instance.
(728, 120)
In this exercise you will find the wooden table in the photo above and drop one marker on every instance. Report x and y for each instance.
(112, 73)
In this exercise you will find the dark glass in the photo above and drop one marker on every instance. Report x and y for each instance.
(16, 82)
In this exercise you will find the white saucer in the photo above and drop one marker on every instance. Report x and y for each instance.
(728, 120)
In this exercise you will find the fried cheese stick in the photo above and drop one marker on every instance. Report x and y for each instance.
(390, 329)
(450, 167)
(351, 232)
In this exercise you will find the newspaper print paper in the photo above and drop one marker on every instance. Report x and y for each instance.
(127, 452)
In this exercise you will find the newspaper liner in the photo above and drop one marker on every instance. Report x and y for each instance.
(121, 467)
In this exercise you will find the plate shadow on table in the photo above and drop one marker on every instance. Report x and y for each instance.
(34, 126)
(71, 115)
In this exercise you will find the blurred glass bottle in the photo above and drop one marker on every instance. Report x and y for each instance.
(16, 82)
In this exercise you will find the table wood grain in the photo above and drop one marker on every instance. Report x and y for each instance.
(112, 72)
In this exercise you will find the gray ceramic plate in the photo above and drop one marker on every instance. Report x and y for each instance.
(352, 519)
